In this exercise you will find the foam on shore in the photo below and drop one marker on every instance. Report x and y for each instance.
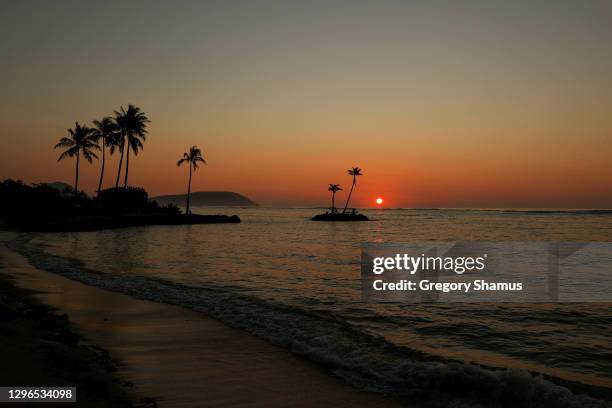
(365, 361)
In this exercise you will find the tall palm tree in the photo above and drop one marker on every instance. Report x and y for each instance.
(355, 172)
(132, 124)
(192, 158)
(334, 188)
(105, 131)
(117, 143)
(81, 141)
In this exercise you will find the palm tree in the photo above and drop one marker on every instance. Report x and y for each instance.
(106, 131)
(81, 141)
(132, 126)
(334, 188)
(192, 158)
(117, 143)
(355, 172)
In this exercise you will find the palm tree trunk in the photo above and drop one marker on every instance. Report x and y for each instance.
(333, 200)
(102, 170)
(120, 164)
(189, 189)
(76, 179)
(349, 196)
(127, 165)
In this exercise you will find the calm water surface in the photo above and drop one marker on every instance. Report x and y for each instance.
(280, 256)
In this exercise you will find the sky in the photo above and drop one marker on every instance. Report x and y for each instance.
(441, 103)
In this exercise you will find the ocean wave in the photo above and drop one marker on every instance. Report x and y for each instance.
(363, 360)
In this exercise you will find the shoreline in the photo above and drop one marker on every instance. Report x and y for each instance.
(181, 357)
(89, 223)
(449, 372)
(42, 348)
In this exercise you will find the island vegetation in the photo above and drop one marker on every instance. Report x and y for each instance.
(334, 188)
(347, 214)
(42, 207)
(192, 159)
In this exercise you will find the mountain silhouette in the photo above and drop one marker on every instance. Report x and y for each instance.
(207, 198)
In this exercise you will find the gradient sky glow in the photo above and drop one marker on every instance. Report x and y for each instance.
(442, 103)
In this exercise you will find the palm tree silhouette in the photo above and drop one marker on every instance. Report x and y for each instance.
(117, 144)
(192, 158)
(132, 126)
(355, 172)
(81, 140)
(334, 188)
(106, 131)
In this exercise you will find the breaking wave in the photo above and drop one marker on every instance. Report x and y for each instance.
(365, 361)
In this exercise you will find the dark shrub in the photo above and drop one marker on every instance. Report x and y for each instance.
(19, 201)
(130, 200)
(123, 200)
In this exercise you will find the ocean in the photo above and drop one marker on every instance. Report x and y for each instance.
(296, 283)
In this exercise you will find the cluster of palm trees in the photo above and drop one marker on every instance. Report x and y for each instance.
(334, 188)
(124, 131)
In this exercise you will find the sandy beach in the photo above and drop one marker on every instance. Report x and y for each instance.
(181, 358)
(39, 347)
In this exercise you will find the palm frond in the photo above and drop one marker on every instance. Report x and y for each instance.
(115, 146)
(68, 153)
(90, 143)
(355, 171)
(104, 128)
(89, 155)
(64, 142)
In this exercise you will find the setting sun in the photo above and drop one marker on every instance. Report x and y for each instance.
(379, 201)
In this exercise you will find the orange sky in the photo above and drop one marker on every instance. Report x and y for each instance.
(444, 106)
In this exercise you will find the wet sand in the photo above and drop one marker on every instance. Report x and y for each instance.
(184, 359)
(39, 347)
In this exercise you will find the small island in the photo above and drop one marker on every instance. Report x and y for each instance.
(340, 216)
(333, 214)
